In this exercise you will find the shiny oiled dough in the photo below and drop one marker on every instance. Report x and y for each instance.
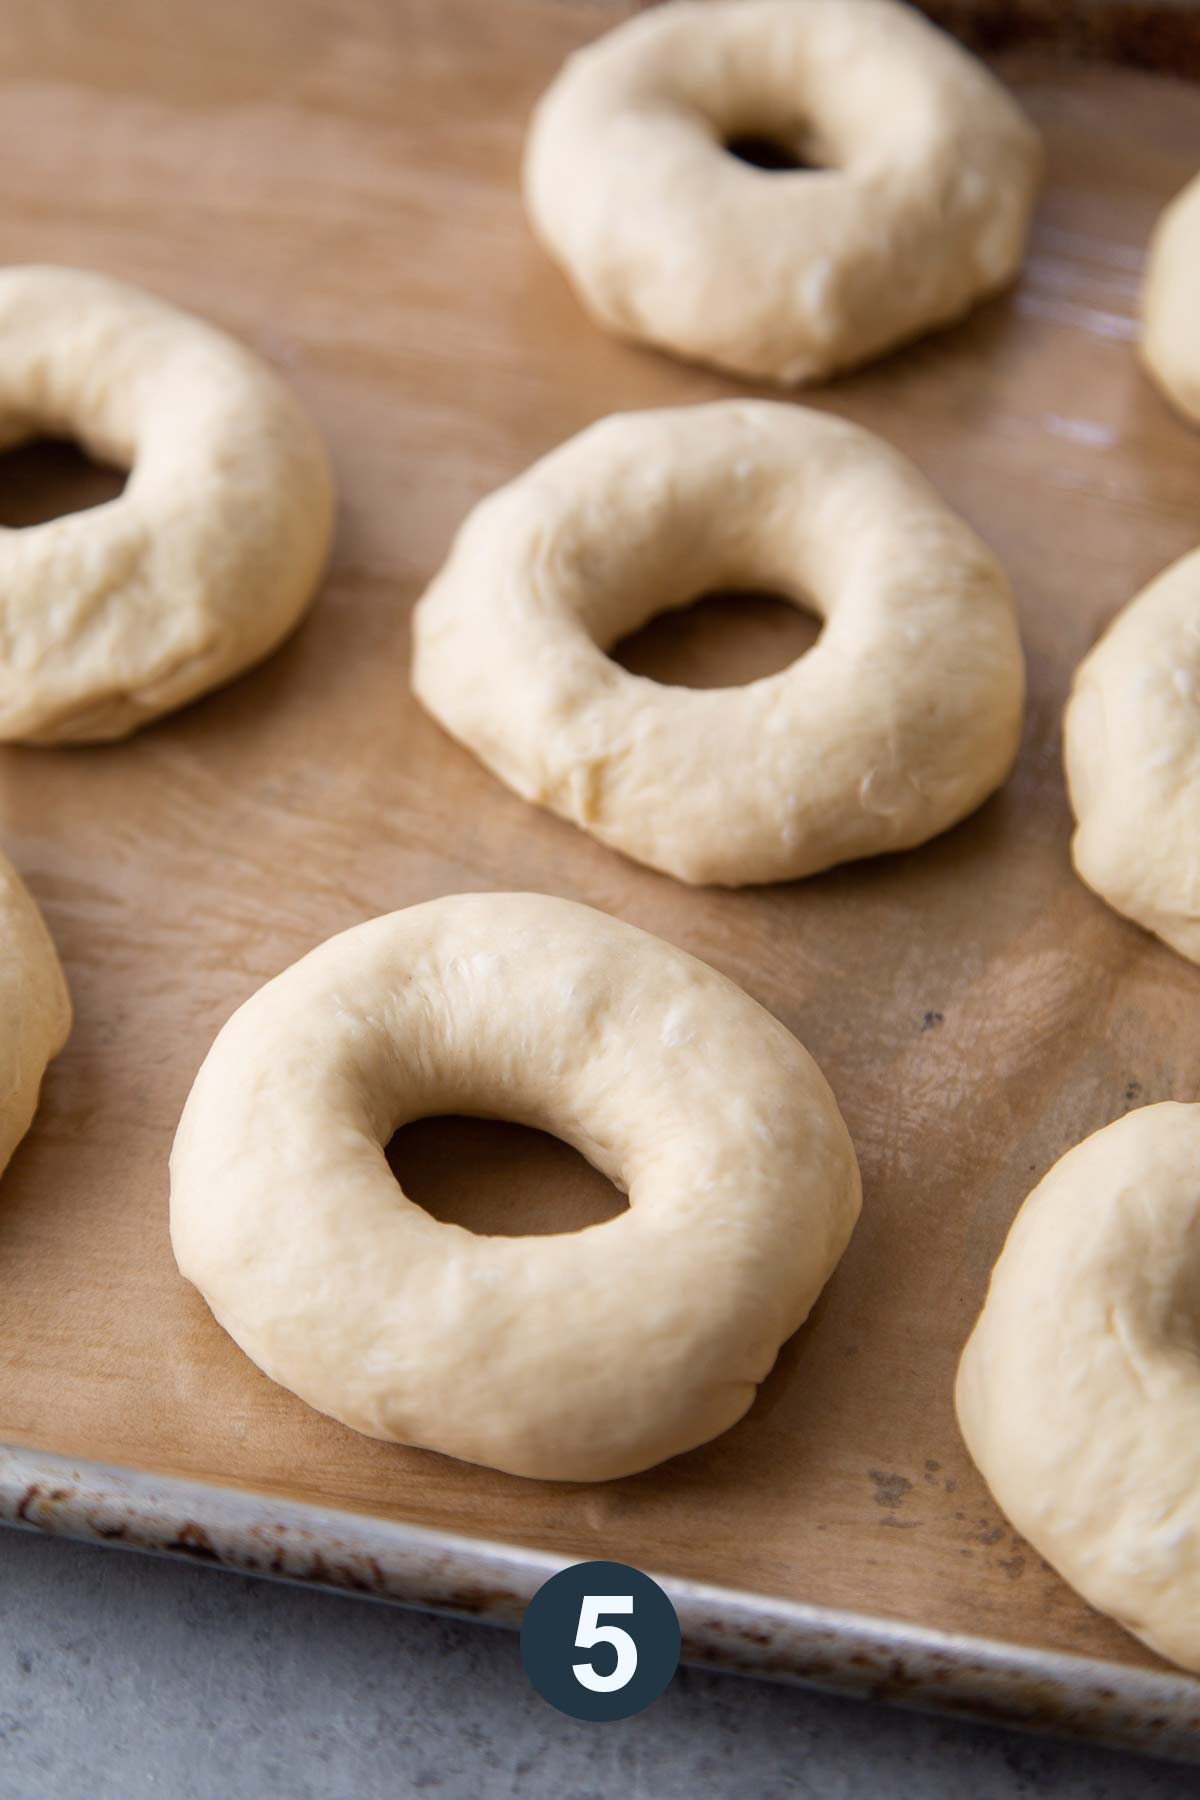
(900, 721)
(1170, 340)
(1079, 1390)
(920, 206)
(35, 1008)
(111, 616)
(580, 1356)
(1132, 745)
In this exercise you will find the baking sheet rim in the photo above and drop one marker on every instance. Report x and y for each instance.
(256, 1533)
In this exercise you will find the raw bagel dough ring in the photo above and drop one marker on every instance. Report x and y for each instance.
(1170, 340)
(1079, 1390)
(667, 237)
(576, 1357)
(35, 1007)
(203, 564)
(1131, 739)
(900, 721)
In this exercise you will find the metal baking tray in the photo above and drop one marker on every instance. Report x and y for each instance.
(340, 189)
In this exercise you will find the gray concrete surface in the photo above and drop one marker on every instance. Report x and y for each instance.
(121, 1676)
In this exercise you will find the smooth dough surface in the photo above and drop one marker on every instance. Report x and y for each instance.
(920, 206)
(1170, 340)
(578, 1357)
(35, 1007)
(203, 564)
(1079, 1390)
(1132, 744)
(903, 717)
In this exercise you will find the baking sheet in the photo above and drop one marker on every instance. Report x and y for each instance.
(337, 185)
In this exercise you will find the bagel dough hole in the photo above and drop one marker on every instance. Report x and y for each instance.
(500, 1180)
(771, 152)
(45, 478)
(720, 640)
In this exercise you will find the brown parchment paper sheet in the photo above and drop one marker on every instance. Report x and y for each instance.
(337, 185)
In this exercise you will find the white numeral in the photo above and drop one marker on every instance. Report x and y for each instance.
(591, 1632)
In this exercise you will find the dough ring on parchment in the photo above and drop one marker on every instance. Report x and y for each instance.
(577, 1357)
(928, 177)
(35, 1007)
(1170, 340)
(1132, 743)
(209, 556)
(1079, 1390)
(900, 721)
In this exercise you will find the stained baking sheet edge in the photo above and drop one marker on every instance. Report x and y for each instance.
(384, 1559)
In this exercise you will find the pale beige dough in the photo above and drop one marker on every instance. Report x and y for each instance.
(1170, 340)
(1079, 1390)
(921, 205)
(1132, 745)
(899, 722)
(208, 558)
(576, 1357)
(35, 1007)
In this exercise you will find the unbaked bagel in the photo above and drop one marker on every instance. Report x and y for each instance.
(1132, 743)
(112, 616)
(575, 1357)
(35, 1007)
(899, 722)
(1170, 340)
(927, 176)
(1079, 1391)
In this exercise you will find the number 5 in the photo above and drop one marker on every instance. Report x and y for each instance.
(591, 1632)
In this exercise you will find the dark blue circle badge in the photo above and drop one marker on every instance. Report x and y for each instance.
(600, 1641)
